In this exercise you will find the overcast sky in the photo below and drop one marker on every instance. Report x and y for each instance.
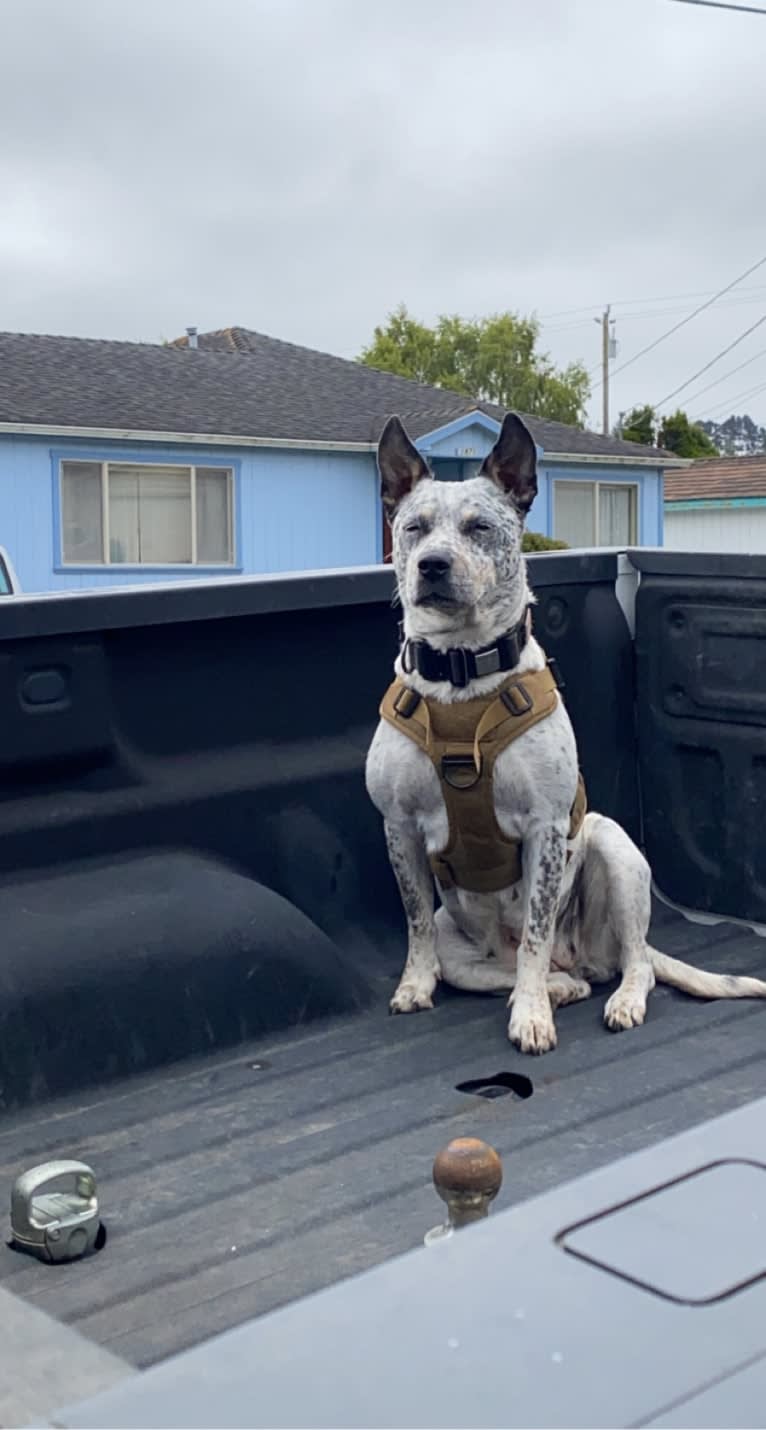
(302, 166)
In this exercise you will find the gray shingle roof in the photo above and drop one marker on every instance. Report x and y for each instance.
(237, 383)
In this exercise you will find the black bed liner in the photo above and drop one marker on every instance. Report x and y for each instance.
(234, 1184)
(201, 932)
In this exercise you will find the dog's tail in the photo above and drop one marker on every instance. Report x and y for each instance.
(701, 984)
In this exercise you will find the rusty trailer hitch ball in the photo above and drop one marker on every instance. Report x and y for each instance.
(467, 1175)
(55, 1212)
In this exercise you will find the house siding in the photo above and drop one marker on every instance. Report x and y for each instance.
(293, 510)
(717, 526)
(471, 441)
(455, 452)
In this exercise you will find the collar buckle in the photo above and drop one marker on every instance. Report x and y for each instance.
(487, 661)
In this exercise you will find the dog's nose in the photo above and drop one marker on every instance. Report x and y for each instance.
(434, 568)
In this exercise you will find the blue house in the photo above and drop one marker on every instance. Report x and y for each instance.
(233, 453)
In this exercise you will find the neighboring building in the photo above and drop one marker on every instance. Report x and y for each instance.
(236, 453)
(717, 505)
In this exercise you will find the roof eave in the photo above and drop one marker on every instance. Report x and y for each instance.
(474, 418)
(618, 460)
(715, 499)
(234, 439)
(207, 439)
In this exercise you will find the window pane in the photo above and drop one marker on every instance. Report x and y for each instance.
(615, 511)
(574, 511)
(81, 529)
(213, 515)
(149, 514)
(123, 516)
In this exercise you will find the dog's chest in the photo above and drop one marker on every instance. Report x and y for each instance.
(464, 740)
(533, 779)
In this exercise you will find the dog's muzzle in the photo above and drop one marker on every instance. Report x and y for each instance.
(434, 587)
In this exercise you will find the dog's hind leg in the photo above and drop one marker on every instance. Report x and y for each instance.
(564, 988)
(471, 966)
(421, 974)
(472, 969)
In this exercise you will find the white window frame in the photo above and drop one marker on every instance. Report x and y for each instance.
(595, 486)
(105, 534)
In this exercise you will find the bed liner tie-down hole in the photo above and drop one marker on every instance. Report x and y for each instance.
(501, 1084)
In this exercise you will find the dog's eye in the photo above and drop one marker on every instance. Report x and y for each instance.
(478, 527)
(414, 528)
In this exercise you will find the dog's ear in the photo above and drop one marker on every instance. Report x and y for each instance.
(400, 465)
(512, 463)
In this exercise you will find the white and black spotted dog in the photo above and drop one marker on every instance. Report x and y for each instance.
(462, 583)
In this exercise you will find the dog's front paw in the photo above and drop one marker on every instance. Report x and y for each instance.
(412, 997)
(531, 1028)
(625, 1009)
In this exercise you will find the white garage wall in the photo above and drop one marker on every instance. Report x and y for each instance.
(716, 529)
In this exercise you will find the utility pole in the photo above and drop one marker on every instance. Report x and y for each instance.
(605, 369)
(608, 351)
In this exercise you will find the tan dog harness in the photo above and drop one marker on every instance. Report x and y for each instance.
(463, 739)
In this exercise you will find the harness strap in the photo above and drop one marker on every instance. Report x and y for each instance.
(496, 720)
(463, 739)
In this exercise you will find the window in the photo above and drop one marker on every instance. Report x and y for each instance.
(595, 513)
(126, 513)
(451, 469)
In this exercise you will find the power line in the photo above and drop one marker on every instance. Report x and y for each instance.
(723, 5)
(627, 302)
(730, 401)
(676, 326)
(713, 360)
(726, 375)
(737, 302)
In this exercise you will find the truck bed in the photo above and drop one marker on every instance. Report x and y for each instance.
(235, 1183)
(201, 932)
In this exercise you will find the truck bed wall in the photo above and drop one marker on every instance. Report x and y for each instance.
(188, 856)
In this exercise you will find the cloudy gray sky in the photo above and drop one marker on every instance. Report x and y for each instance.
(301, 166)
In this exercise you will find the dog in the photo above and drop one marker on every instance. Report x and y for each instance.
(579, 911)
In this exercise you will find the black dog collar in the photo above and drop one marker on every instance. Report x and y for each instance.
(460, 664)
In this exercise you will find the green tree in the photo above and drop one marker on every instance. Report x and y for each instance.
(676, 433)
(685, 438)
(638, 425)
(493, 359)
(404, 346)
